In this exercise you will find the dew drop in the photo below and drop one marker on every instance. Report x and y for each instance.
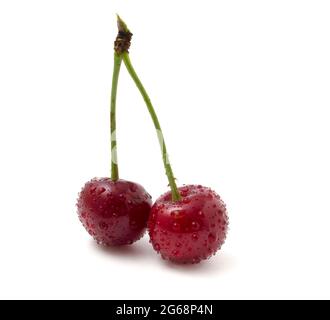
(157, 247)
(195, 260)
(178, 244)
(186, 200)
(176, 226)
(195, 236)
(100, 191)
(114, 214)
(133, 187)
(195, 226)
(211, 237)
(201, 213)
(103, 225)
(176, 213)
(175, 252)
(92, 190)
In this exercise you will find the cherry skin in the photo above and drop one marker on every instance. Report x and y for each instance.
(114, 213)
(189, 230)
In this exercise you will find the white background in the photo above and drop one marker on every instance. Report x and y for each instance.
(242, 92)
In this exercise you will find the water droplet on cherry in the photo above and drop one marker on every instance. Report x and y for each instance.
(211, 237)
(195, 226)
(103, 225)
(176, 226)
(133, 187)
(175, 252)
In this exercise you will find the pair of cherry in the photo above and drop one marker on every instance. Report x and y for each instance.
(186, 225)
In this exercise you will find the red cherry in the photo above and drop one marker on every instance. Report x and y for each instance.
(114, 213)
(189, 230)
(187, 224)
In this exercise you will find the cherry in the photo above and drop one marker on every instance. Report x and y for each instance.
(188, 224)
(189, 230)
(114, 213)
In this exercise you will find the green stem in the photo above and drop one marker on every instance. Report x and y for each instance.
(115, 76)
(168, 169)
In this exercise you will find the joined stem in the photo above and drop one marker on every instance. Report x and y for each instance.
(115, 77)
(168, 169)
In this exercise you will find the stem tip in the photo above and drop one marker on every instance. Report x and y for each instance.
(122, 26)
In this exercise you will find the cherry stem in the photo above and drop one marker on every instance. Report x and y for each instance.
(168, 169)
(115, 76)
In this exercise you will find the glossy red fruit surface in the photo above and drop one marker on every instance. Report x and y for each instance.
(189, 230)
(114, 213)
